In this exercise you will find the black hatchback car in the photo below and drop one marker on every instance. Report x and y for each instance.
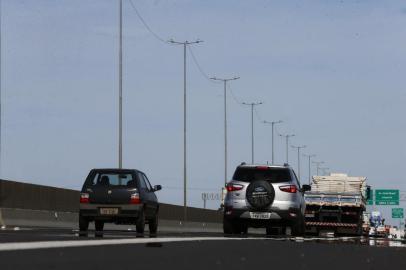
(121, 196)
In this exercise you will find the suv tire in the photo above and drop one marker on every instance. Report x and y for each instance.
(260, 194)
(298, 228)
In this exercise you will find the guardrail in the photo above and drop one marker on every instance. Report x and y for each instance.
(30, 204)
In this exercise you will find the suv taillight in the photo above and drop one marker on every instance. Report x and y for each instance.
(135, 198)
(289, 188)
(84, 197)
(233, 187)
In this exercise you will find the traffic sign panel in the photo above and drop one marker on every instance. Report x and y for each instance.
(397, 212)
(387, 197)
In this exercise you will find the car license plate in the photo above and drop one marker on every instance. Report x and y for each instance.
(254, 215)
(310, 215)
(108, 211)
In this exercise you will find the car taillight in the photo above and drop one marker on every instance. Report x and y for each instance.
(289, 188)
(135, 198)
(84, 197)
(234, 187)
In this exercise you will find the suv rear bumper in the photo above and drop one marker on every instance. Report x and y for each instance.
(277, 217)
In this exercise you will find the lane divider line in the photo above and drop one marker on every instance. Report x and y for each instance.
(84, 243)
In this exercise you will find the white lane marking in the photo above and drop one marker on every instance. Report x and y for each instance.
(84, 243)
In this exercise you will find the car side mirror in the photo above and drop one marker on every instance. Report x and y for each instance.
(157, 187)
(306, 188)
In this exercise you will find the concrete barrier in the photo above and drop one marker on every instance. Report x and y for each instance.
(23, 204)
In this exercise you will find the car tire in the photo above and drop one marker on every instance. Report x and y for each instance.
(140, 225)
(153, 224)
(99, 225)
(83, 223)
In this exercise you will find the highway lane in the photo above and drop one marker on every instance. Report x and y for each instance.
(213, 252)
(47, 248)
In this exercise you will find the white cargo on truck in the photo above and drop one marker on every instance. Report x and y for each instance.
(336, 203)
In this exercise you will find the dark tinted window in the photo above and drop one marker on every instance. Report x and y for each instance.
(273, 175)
(113, 179)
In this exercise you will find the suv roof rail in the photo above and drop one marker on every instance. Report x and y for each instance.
(243, 163)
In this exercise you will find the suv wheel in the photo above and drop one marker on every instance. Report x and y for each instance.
(140, 225)
(298, 228)
(83, 223)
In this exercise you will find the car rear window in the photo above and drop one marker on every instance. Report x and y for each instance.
(113, 179)
(272, 175)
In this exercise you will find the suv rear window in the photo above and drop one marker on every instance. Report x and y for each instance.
(272, 175)
(113, 179)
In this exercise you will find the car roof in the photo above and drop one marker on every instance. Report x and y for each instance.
(264, 165)
(115, 170)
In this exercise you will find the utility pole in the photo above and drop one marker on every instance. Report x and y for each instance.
(318, 163)
(273, 124)
(310, 169)
(252, 104)
(287, 136)
(1, 114)
(225, 121)
(185, 44)
(120, 87)
(298, 157)
(324, 170)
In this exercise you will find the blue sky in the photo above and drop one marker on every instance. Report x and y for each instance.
(333, 71)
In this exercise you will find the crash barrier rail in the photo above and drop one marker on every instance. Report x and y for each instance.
(25, 196)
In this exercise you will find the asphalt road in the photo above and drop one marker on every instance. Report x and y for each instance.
(34, 248)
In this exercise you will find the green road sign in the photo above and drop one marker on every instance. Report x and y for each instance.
(387, 197)
(397, 212)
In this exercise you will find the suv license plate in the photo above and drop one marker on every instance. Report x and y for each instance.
(108, 211)
(260, 215)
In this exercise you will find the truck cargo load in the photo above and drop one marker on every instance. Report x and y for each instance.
(336, 203)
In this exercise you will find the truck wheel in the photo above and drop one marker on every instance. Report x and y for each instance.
(140, 225)
(83, 224)
(153, 224)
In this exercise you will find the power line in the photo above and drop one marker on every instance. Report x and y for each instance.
(199, 67)
(145, 23)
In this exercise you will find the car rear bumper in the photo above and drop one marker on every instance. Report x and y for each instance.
(125, 213)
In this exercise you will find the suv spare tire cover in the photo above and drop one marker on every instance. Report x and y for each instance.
(260, 194)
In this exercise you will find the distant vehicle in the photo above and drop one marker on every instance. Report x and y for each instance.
(120, 196)
(263, 196)
(336, 204)
(366, 224)
(378, 228)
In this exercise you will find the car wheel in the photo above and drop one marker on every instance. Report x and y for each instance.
(99, 225)
(153, 224)
(140, 225)
(83, 223)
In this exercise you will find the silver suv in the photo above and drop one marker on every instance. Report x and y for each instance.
(263, 196)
